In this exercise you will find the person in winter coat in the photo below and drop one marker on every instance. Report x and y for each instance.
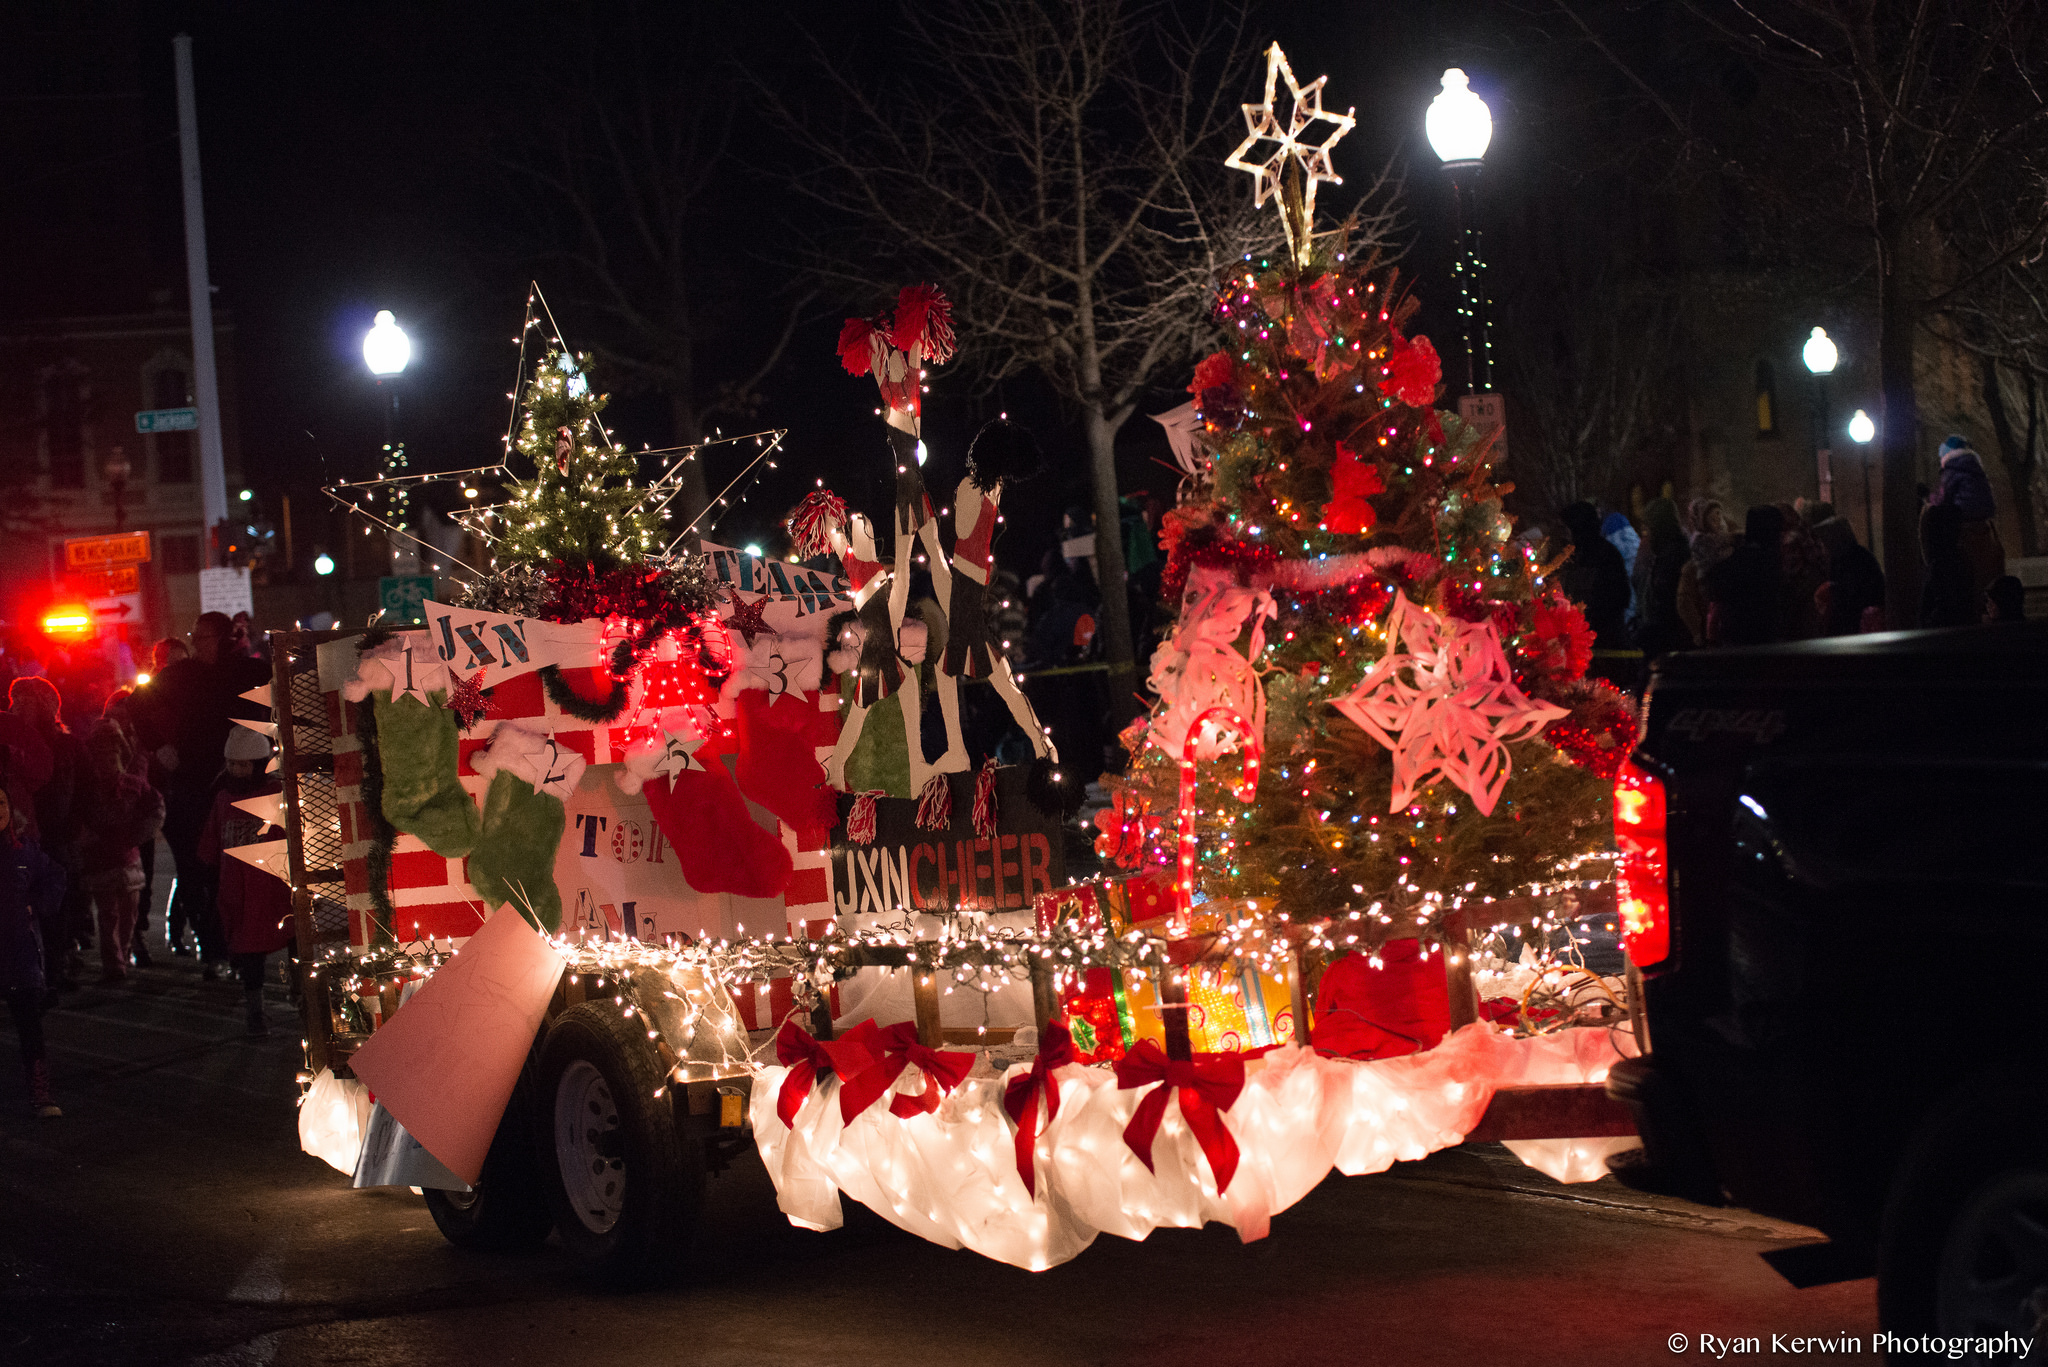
(1948, 594)
(255, 906)
(1621, 534)
(1852, 599)
(51, 820)
(31, 886)
(1596, 577)
(1965, 488)
(1745, 592)
(119, 811)
(1707, 529)
(1660, 565)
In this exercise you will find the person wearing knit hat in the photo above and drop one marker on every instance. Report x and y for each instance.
(254, 905)
(1966, 488)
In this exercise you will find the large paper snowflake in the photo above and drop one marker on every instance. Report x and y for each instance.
(1444, 701)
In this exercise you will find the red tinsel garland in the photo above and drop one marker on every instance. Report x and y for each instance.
(1600, 730)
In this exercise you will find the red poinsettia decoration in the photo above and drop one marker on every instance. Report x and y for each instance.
(1412, 372)
(1558, 646)
(1600, 730)
(1354, 480)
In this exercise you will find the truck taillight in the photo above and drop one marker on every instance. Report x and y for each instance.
(1642, 882)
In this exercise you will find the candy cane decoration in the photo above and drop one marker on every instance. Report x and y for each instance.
(1231, 718)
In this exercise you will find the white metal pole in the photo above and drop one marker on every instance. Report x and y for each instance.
(213, 479)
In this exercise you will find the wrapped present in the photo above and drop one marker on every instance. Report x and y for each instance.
(1231, 1009)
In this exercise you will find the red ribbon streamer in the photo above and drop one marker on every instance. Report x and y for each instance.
(856, 1052)
(1208, 1085)
(1020, 1096)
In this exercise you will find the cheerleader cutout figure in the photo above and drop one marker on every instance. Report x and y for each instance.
(1002, 453)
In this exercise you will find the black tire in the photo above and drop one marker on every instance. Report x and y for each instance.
(1973, 1181)
(624, 1184)
(508, 1210)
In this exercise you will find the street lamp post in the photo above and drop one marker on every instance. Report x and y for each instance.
(1820, 356)
(1862, 431)
(386, 349)
(1460, 127)
(117, 470)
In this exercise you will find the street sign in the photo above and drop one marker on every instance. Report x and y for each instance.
(117, 610)
(167, 420)
(102, 552)
(403, 597)
(1489, 413)
(107, 583)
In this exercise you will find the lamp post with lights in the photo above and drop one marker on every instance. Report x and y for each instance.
(1820, 356)
(1863, 431)
(1460, 127)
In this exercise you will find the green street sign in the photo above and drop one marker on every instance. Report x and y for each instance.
(403, 597)
(167, 420)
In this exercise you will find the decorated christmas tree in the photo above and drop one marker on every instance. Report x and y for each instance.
(1359, 632)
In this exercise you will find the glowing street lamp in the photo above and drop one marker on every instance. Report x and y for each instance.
(1820, 356)
(1460, 127)
(1458, 123)
(323, 564)
(386, 348)
(1863, 431)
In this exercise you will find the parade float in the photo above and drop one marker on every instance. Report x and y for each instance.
(636, 856)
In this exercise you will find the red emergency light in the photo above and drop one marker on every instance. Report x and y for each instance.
(68, 622)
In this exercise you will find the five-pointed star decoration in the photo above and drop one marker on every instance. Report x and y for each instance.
(466, 699)
(750, 619)
(1313, 158)
(678, 754)
(407, 686)
(1444, 701)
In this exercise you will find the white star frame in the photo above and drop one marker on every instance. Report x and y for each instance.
(1262, 126)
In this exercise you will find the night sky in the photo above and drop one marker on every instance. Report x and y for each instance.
(354, 159)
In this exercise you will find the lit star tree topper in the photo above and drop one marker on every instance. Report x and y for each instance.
(1309, 158)
(1444, 701)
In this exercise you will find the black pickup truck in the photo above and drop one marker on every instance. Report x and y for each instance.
(1835, 885)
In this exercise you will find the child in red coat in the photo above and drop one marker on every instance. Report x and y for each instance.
(255, 906)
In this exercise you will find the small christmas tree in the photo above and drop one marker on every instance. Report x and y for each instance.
(584, 505)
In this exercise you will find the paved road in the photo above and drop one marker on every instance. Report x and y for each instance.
(170, 1218)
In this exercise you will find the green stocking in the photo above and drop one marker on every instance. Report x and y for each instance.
(417, 754)
(514, 859)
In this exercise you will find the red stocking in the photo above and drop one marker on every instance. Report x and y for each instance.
(718, 844)
(778, 761)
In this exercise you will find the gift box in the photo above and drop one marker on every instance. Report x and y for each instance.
(1231, 1009)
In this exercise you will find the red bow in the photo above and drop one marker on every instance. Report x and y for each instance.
(897, 1048)
(1020, 1097)
(852, 1054)
(1208, 1085)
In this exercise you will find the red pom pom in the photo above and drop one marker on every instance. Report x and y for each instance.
(924, 317)
(860, 820)
(853, 346)
(1412, 372)
(811, 522)
(1354, 479)
(935, 804)
(985, 809)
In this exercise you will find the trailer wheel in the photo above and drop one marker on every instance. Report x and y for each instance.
(507, 1212)
(624, 1186)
